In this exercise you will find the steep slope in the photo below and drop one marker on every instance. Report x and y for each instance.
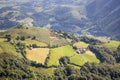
(105, 15)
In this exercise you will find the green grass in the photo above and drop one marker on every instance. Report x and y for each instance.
(2, 39)
(57, 53)
(81, 45)
(59, 42)
(30, 42)
(40, 33)
(113, 45)
(6, 47)
(81, 59)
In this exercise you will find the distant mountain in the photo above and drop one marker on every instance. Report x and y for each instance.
(66, 15)
(96, 17)
(105, 14)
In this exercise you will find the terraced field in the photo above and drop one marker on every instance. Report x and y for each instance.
(38, 54)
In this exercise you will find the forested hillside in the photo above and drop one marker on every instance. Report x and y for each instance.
(55, 55)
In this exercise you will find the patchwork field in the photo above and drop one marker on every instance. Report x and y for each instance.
(38, 54)
(81, 59)
(81, 45)
(57, 53)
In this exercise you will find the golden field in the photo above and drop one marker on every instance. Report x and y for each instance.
(38, 54)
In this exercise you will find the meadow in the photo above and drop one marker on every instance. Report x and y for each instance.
(41, 34)
(6, 47)
(57, 53)
(30, 42)
(112, 45)
(81, 59)
(80, 45)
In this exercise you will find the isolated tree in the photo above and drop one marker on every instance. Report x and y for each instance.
(34, 37)
(17, 38)
(22, 38)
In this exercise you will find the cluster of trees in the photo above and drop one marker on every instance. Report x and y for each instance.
(91, 41)
(8, 37)
(117, 54)
(103, 54)
(90, 71)
(22, 38)
(12, 67)
(15, 68)
(20, 48)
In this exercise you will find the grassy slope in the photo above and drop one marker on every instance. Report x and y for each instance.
(81, 59)
(30, 42)
(38, 54)
(59, 42)
(6, 47)
(81, 45)
(112, 45)
(57, 53)
(40, 33)
(2, 39)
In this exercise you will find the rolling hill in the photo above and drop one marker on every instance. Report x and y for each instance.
(28, 52)
(58, 40)
(95, 17)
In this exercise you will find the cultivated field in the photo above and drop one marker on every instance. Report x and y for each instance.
(38, 54)
(81, 45)
(81, 59)
(57, 53)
